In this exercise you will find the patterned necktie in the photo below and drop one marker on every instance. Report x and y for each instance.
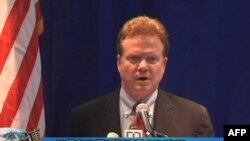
(137, 123)
(136, 120)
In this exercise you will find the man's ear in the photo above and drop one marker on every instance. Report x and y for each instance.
(165, 63)
(166, 60)
(118, 59)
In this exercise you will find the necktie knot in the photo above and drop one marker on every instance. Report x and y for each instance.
(133, 111)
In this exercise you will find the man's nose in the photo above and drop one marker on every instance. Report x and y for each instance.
(143, 66)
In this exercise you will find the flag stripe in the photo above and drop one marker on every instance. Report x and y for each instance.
(36, 110)
(16, 92)
(24, 110)
(11, 28)
(41, 123)
(15, 57)
(5, 6)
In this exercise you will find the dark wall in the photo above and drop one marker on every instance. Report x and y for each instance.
(208, 61)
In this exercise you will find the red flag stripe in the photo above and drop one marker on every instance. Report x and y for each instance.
(5, 8)
(36, 110)
(11, 28)
(16, 92)
(28, 100)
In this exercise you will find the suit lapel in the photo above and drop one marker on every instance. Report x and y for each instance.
(111, 115)
(163, 116)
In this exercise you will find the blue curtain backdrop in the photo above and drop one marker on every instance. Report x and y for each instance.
(209, 59)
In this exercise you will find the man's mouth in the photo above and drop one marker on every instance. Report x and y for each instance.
(142, 78)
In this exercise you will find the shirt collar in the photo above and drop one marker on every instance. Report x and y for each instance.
(128, 101)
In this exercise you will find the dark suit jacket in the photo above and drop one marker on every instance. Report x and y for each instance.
(174, 116)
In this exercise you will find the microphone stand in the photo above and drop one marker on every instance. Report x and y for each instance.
(155, 134)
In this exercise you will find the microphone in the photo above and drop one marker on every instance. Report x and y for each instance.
(142, 109)
(112, 135)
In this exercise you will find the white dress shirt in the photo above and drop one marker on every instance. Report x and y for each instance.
(126, 103)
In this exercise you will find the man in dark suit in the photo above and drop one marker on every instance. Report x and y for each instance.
(142, 48)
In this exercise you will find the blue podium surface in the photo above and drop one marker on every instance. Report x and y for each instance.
(134, 139)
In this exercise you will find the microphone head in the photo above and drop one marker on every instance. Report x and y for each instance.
(112, 135)
(141, 107)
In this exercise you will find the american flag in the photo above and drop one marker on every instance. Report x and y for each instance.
(21, 88)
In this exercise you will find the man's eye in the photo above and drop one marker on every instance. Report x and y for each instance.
(152, 60)
(135, 59)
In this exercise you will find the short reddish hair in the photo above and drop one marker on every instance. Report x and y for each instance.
(143, 25)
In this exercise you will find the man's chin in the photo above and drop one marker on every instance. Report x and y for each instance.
(143, 88)
(145, 83)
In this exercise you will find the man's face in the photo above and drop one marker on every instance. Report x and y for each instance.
(141, 65)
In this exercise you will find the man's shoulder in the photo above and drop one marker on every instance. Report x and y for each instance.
(98, 102)
(182, 102)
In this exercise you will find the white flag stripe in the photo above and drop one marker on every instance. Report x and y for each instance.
(22, 116)
(15, 57)
(5, 7)
(41, 123)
